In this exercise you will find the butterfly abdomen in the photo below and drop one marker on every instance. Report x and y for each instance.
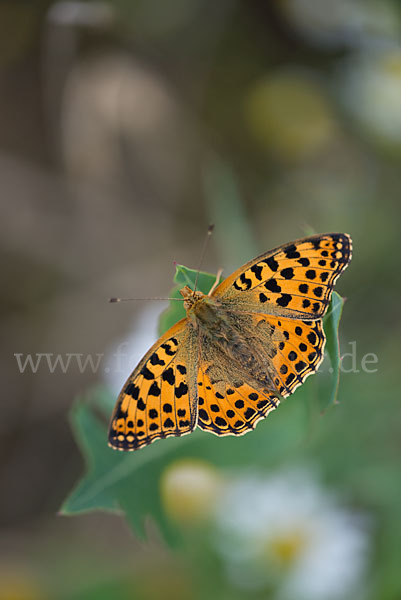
(236, 354)
(206, 314)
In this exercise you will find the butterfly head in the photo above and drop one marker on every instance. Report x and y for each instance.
(190, 297)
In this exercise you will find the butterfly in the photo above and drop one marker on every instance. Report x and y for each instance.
(241, 348)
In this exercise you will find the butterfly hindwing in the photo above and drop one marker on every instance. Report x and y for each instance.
(230, 400)
(297, 349)
(231, 407)
(296, 279)
(155, 401)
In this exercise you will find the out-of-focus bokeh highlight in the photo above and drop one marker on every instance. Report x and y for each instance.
(126, 127)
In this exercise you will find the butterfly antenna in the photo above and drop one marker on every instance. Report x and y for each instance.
(112, 300)
(205, 243)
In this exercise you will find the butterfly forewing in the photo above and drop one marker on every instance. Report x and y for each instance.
(294, 280)
(156, 402)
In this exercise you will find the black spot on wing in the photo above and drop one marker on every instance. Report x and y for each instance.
(154, 389)
(167, 348)
(291, 252)
(257, 270)
(272, 263)
(305, 262)
(181, 390)
(119, 413)
(147, 373)
(246, 282)
(155, 360)
(284, 300)
(132, 390)
(312, 337)
(273, 286)
(249, 413)
(168, 375)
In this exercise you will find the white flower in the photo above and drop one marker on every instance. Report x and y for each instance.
(287, 534)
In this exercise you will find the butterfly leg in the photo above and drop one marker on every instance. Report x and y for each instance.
(216, 283)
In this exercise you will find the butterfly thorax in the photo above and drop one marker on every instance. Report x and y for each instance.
(202, 310)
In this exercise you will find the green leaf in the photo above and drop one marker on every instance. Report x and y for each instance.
(331, 322)
(90, 436)
(116, 481)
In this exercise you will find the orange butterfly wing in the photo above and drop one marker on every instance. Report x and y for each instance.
(294, 280)
(293, 284)
(284, 293)
(231, 407)
(159, 398)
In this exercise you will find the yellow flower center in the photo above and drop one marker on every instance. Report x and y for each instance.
(286, 547)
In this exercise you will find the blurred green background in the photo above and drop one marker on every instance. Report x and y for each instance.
(126, 127)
